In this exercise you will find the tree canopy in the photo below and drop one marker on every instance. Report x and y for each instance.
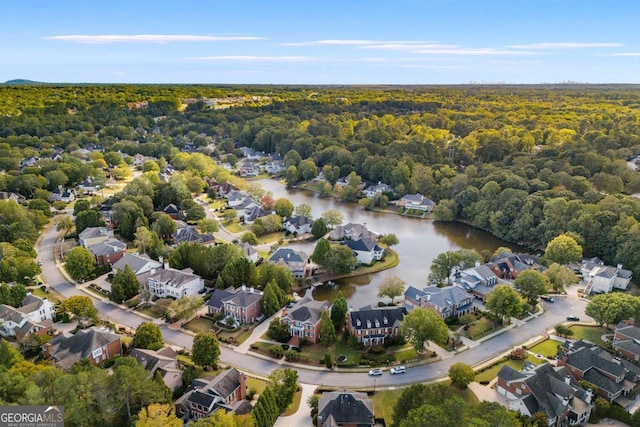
(422, 325)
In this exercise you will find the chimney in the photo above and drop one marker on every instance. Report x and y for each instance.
(567, 380)
(244, 288)
(251, 290)
(350, 308)
(161, 260)
(428, 297)
(619, 266)
(631, 321)
(477, 263)
(166, 265)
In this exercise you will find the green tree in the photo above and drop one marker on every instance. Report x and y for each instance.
(159, 415)
(339, 310)
(81, 205)
(388, 239)
(422, 325)
(321, 252)
(239, 271)
(284, 383)
(564, 331)
(146, 240)
(266, 410)
(80, 264)
(273, 299)
(446, 210)
(278, 330)
(340, 260)
(148, 336)
(613, 308)
(319, 228)
(332, 218)
(563, 250)
(327, 330)
(164, 226)
(303, 210)
(206, 350)
(250, 238)
(504, 301)
(461, 374)
(184, 307)
(42, 206)
(86, 219)
(445, 263)
(284, 208)
(80, 306)
(126, 279)
(560, 276)
(208, 226)
(391, 287)
(531, 284)
(292, 177)
(117, 294)
(229, 215)
(64, 223)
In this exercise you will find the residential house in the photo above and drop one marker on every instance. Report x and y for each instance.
(478, 281)
(603, 278)
(352, 231)
(88, 186)
(508, 265)
(191, 235)
(225, 189)
(169, 282)
(248, 169)
(92, 235)
(545, 389)
(295, 261)
(274, 167)
(18, 198)
(62, 194)
(108, 252)
(204, 396)
(416, 202)
(447, 301)
(373, 325)
(366, 250)
(626, 340)
(236, 198)
(163, 361)
(253, 212)
(612, 377)
(34, 316)
(141, 265)
(249, 252)
(252, 154)
(304, 319)
(343, 408)
(95, 344)
(173, 211)
(29, 162)
(298, 224)
(242, 304)
(139, 159)
(379, 188)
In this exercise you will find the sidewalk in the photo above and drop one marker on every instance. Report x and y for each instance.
(256, 334)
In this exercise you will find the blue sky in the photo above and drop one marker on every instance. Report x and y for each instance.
(321, 42)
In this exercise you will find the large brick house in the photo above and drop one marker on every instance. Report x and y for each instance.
(304, 319)
(374, 325)
(345, 408)
(626, 340)
(508, 265)
(108, 252)
(546, 389)
(95, 344)
(243, 304)
(447, 301)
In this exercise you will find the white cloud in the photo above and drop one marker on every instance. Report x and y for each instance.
(351, 42)
(147, 38)
(437, 67)
(562, 45)
(408, 46)
(254, 58)
(625, 54)
(474, 52)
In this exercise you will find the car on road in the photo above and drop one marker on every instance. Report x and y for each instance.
(573, 318)
(375, 372)
(40, 263)
(547, 298)
(398, 370)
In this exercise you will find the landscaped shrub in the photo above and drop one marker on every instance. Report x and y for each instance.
(276, 351)
(376, 349)
(327, 361)
(518, 354)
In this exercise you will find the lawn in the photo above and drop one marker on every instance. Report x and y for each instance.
(547, 348)
(406, 353)
(293, 406)
(151, 310)
(255, 384)
(482, 327)
(233, 227)
(589, 333)
(492, 372)
(198, 324)
(270, 237)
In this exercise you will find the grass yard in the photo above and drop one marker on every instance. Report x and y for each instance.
(492, 372)
(406, 353)
(294, 405)
(151, 310)
(353, 356)
(482, 327)
(589, 333)
(383, 403)
(198, 324)
(255, 384)
(233, 226)
(270, 237)
(547, 348)
(218, 203)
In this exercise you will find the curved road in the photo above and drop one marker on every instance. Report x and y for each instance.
(555, 314)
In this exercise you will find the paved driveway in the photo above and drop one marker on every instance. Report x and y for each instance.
(302, 417)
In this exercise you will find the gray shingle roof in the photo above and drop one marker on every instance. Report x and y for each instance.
(172, 277)
(80, 345)
(308, 310)
(363, 245)
(191, 235)
(393, 316)
(507, 373)
(298, 221)
(288, 255)
(348, 408)
(135, 262)
(93, 232)
(109, 246)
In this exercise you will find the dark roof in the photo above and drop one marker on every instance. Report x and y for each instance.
(109, 246)
(299, 220)
(346, 408)
(308, 310)
(191, 235)
(288, 255)
(80, 345)
(171, 209)
(509, 374)
(586, 358)
(392, 315)
(217, 297)
(200, 398)
(362, 245)
(135, 262)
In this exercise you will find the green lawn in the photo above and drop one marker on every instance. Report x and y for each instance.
(383, 403)
(546, 348)
(293, 406)
(491, 372)
(151, 310)
(589, 333)
(353, 356)
(198, 324)
(233, 227)
(270, 237)
(218, 203)
(482, 327)
(255, 384)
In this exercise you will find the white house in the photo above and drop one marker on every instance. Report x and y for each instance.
(88, 186)
(603, 278)
(169, 282)
(366, 250)
(295, 261)
(299, 224)
(236, 198)
(62, 194)
(33, 315)
(249, 252)
(416, 201)
(377, 189)
(140, 264)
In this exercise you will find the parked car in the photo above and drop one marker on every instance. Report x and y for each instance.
(375, 372)
(40, 263)
(398, 370)
(547, 298)
(573, 318)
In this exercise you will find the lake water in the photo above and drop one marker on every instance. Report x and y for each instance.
(421, 240)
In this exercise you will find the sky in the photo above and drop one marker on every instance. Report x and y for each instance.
(320, 42)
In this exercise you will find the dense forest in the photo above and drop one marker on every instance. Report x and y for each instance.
(526, 163)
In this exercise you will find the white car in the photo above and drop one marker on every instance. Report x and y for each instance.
(398, 370)
(375, 372)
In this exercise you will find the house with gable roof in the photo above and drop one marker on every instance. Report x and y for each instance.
(352, 231)
(304, 318)
(140, 264)
(95, 344)
(88, 186)
(226, 391)
(298, 224)
(365, 250)
(546, 389)
(62, 194)
(602, 278)
(163, 361)
(169, 282)
(478, 281)
(18, 198)
(243, 304)
(447, 301)
(373, 325)
(191, 235)
(417, 202)
(108, 252)
(295, 261)
(379, 188)
(173, 211)
(508, 265)
(249, 252)
(92, 235)
(34, 316)
(626, 340)
(342, 408)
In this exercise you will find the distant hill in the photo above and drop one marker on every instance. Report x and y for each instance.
(22, 82)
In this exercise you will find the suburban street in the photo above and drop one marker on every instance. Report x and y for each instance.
(555, 313)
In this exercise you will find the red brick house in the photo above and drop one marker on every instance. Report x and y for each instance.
(95, 344)
(509, 266)
(244, 305)
(108, 252)
(626, 340)
(304, 319)
(373, 325)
